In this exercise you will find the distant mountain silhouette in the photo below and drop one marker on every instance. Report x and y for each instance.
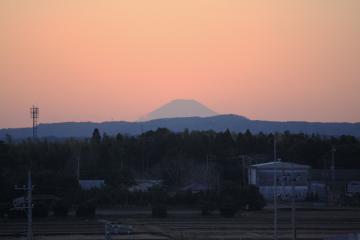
(234, 123)
(180, 108)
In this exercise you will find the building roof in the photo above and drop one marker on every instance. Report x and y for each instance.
(280, 165)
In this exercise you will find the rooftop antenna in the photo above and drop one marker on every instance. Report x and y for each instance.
(34, 112)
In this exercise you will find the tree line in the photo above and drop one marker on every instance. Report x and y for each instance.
(174, 157)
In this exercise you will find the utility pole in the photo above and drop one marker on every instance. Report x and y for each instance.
(208, 169)
(142, 150)
(333, 150)
(244, 168)
(107, 231)
(275, 191)
(207, 172)
(28, 207)
(34, 113)
(78, 168)
(293, 210)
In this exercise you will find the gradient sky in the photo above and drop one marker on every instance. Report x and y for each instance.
(84, 60)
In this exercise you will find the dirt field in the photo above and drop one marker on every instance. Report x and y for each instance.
(191, 225)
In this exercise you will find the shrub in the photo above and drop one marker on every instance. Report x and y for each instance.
(40, 210)
(207, 207)
(14, 214)
(228, 207)
(158, 195)
(159, 200)
(4, 208)
(86, 210)
(254, 200)
(159, 211)
(61, 209)
(351, 201)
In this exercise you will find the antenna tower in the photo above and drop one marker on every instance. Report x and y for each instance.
(34, 112)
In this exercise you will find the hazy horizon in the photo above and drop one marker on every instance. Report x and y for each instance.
(167, 109)
(119, 60)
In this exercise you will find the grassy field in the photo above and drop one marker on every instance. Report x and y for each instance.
(180, 224)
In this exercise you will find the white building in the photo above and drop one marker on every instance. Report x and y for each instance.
(289, 176)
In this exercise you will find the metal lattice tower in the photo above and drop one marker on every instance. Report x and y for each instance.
(28, 205)
(34, 112)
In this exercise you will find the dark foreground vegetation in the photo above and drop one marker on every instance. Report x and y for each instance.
(216, 159)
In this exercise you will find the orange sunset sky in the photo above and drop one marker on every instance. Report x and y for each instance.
(86, 60)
